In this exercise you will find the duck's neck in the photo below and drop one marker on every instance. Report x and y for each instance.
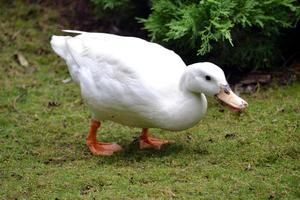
(186, 82)
(187, 111)
(187, 108)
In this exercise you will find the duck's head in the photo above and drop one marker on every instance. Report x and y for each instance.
(209, 79)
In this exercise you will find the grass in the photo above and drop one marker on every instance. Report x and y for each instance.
(43, 125)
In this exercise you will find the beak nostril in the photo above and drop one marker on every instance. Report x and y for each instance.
(226, 89)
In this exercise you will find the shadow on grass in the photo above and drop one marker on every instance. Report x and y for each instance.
(132, 153)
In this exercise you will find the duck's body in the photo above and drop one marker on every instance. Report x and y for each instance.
(134, 82)
(123, 79)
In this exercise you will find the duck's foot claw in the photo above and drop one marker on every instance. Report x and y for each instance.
(152, 143)
(103, 148)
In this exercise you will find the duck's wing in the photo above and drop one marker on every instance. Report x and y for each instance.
(126, 58)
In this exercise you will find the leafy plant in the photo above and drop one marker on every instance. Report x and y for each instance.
(242, 33)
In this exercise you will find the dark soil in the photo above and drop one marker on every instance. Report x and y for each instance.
(82, 15)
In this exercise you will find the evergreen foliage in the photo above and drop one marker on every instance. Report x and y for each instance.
(244, 33)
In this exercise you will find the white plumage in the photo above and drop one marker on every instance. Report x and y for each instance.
(138, 83)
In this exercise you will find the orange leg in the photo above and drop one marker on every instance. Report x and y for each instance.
(149, 142)
(100, 148)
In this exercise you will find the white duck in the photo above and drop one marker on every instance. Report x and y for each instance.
(140, 84)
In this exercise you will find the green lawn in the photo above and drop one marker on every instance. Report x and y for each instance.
(44, 123)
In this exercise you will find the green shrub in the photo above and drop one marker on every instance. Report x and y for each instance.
(239, 33)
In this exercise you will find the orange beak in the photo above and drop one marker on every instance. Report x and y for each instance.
(227, 96)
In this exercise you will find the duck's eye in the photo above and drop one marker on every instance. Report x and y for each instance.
(208, 78)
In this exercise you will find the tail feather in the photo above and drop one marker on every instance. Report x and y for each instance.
(73, 31)
(58, 44)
